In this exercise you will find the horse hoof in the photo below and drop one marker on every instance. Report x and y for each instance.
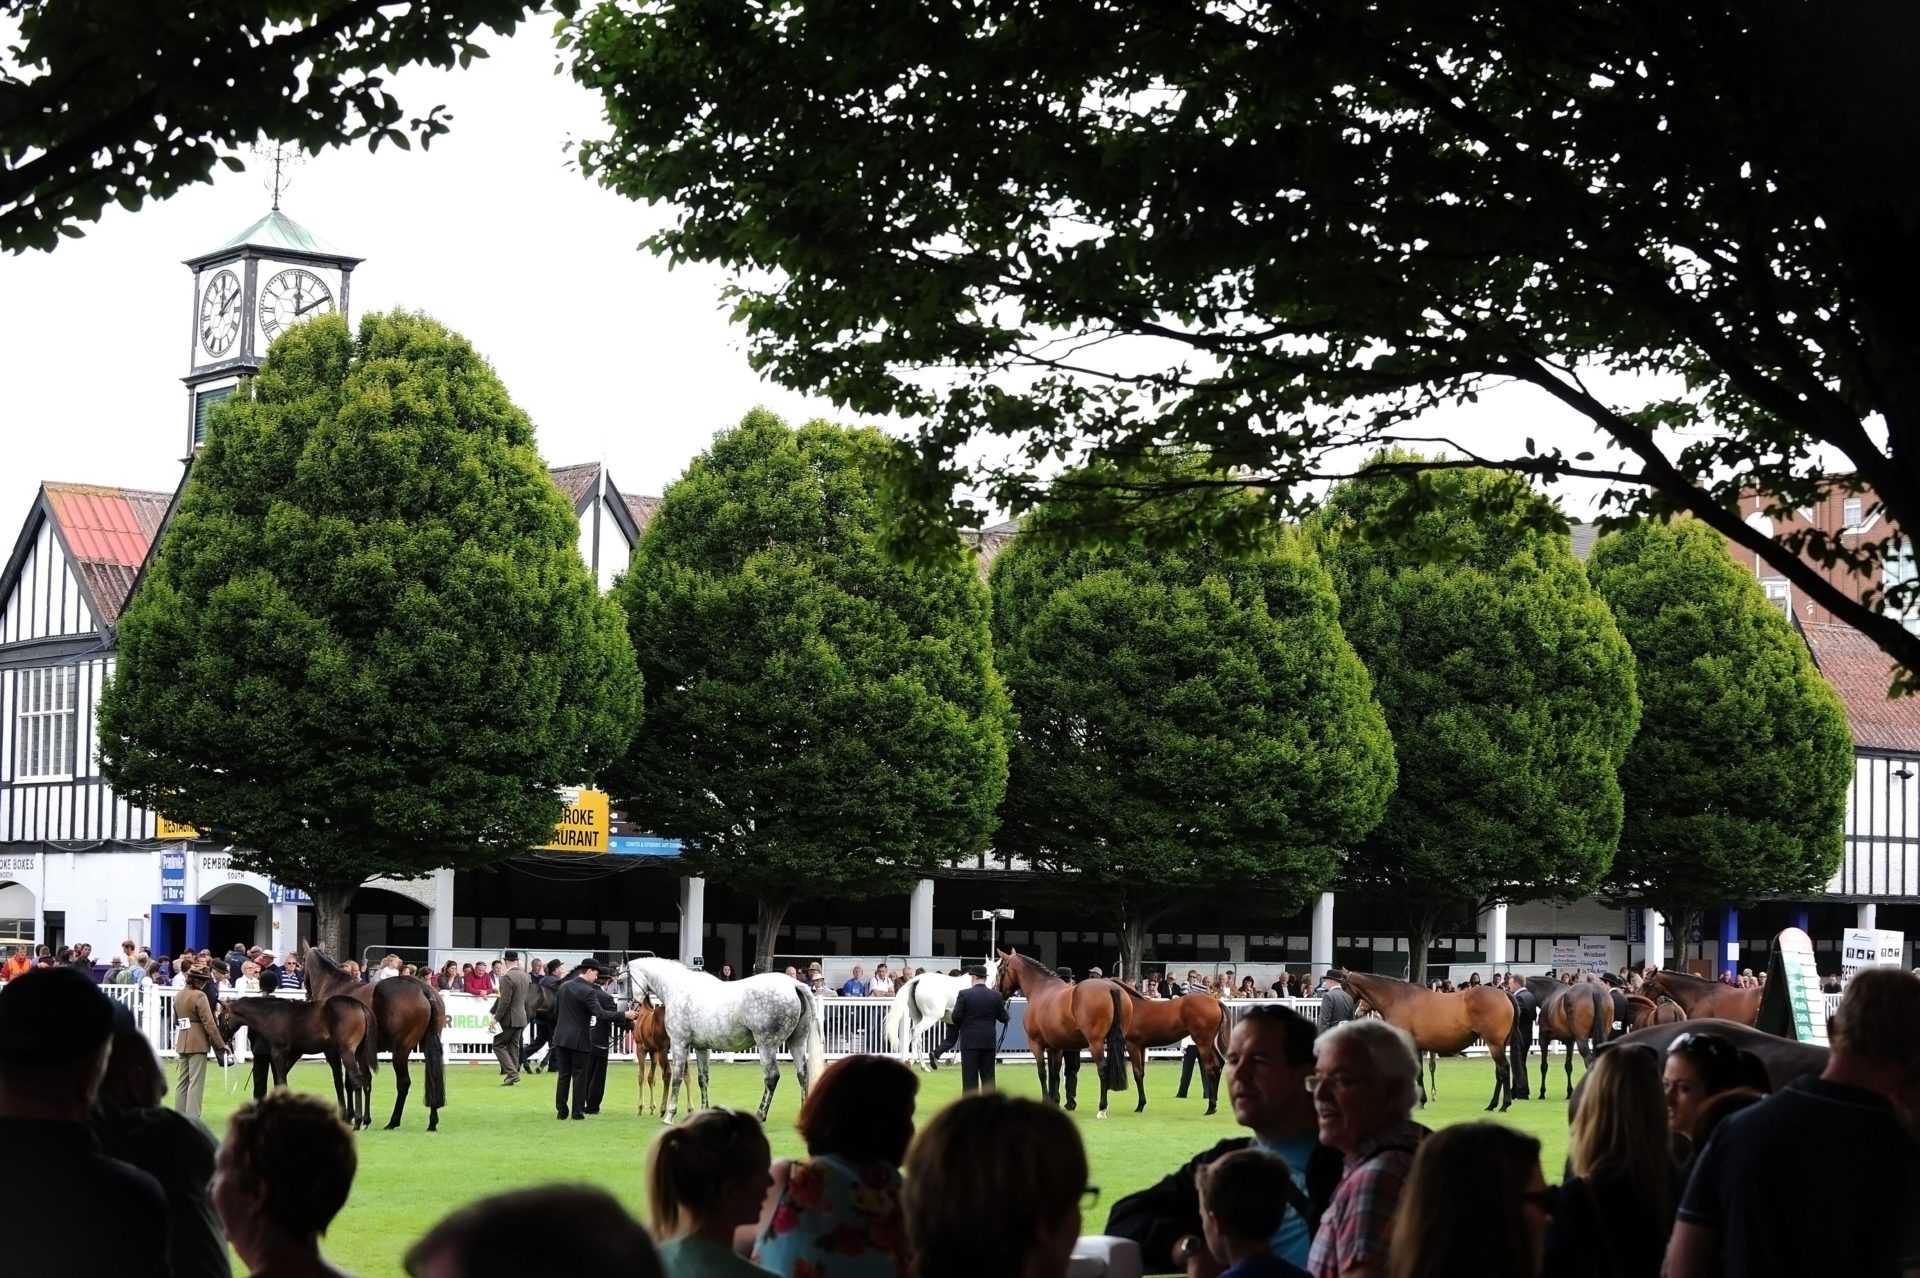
(1141, 1108)
(1101, 1114)
(1213, 1109)
(394, 1125)
(1072, 1105)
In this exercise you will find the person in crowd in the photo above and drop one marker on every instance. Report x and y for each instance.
(1817, 1177)
(131, 1124)
(56, 1033)
(820, 989)
(1366, 1079)
(271, 973)
(283, 1173)
(581, 1006)
(1526, 1010)
(1095, 974)
(1243, 1197)
(1615, 1209)
(550, 1229)
(707, 1178)
(198, 1032)
(994, 1185)
(1698, 1065)
(509, 1013)
(1475, 1203)
(726, 971)
(978, 1012)
(1248, 989)
(19, 963)
(478, 981)
(116, 971)
(1269, 1058)
(791, 972)
(836, 1212)
(854, 986)
(1336, 1005)
(389, 967)
(290, 972)
(882, 984)
(1714, 1111)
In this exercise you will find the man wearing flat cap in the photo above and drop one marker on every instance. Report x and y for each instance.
(976, 1012)
(56, 1032)
(581, 1009)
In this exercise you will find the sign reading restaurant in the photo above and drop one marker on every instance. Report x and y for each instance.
(584, 824)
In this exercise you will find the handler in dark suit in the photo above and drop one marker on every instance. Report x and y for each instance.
(975, 1014)
(581, 1005)
(610, 1020)
(509, 1012)
(1525, 1010)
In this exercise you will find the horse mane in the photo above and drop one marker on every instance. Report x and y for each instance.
(1030, 964)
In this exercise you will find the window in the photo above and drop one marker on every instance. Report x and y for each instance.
(203, 402)
(47, 731)
(1900, 572)
(1850, 513)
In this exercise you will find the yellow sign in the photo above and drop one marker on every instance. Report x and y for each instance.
(165, 829)
(584, 823)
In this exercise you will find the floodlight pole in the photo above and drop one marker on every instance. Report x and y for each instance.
(993, 918)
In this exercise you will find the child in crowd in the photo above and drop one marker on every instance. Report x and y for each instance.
(1243, 1196)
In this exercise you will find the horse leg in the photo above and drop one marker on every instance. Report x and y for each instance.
(1433, 1074)
(402, 1081)
(769, 1076)
(1571, 1044)
(262, 1071)
(641, 1060)
(1502, 1079)
(706, 1069)
(675, 1083)
(1546, 1053)
(1137, 1057)
(1071, 1063)
(339, 1084)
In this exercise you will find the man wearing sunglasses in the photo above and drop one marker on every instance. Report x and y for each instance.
(1269, 1055)
(1820, 1177)
(1365, 1081)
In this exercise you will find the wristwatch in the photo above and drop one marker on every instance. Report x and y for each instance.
(1186, 1248)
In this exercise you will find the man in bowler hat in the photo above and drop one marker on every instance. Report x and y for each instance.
(976, 1013)
(581, 1008)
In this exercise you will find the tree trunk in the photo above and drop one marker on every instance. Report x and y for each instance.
(1130, 925)
(1420, 930)
(330, 902)
(1679, 920)
(771, 911)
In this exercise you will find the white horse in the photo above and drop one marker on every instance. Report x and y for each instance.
(706, 1014)
(924, 1002)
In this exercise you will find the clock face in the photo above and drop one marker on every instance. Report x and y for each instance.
(290, 297)
(220, 314)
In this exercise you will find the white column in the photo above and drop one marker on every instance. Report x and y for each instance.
(693, 918)
(1495, 930)
(920, 919)
(1656, 929)
(1866, 915)
(1320, 940)
(440, 917)
(286, 930)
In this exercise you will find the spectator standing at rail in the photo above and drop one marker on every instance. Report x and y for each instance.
(882, 984)
(56, 1031)
(854, 987)
(1767, 1196)
(19, 963)
(1270, 1056)
(1365, 1081)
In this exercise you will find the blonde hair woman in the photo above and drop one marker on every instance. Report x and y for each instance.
(1616, 1209)
(706, 1178)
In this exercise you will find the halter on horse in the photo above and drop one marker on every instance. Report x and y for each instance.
(705, 1014)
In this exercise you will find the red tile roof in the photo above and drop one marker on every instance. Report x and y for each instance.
(1861, 673)
(575, 481)
(108, 531)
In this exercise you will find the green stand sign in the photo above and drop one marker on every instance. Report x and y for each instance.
(1793, 1005)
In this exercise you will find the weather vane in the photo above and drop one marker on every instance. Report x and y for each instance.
(283, 158)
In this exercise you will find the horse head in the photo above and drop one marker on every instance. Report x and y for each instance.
(1005, 973)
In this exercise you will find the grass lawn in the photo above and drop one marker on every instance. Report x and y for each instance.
(494, 1138)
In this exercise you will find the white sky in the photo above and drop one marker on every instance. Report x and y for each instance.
(492, 232)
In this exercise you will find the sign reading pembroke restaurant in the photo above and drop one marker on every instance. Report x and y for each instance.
(584, 825)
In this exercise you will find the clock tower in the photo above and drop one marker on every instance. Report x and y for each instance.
(245, 294)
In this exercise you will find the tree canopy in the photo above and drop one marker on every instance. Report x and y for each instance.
(823, 722)
(1736, 786)
(1191, 722)
(1508, 688)
(367, 644)
(121, 101)
(1273, 232)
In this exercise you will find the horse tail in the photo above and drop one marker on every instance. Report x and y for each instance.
(816, 1032)
(900, 1014)
(436, 1055)
(1220, 1034)
(1113, 1065)
(369, 1048)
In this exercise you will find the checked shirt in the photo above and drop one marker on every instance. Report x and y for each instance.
(1358, 1223)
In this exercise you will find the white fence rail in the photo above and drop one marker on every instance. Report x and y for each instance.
(851, 1025)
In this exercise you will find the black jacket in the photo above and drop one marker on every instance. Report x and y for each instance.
(1336, 1006)
(1161, 1214)
(581, 1013)
(975, 1013)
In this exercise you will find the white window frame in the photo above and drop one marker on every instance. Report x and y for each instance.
(46, 734)
(1851, 513)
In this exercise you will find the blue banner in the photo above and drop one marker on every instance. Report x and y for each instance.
(642, 845)
(173, 877)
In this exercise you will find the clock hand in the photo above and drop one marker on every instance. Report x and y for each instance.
(318, 301)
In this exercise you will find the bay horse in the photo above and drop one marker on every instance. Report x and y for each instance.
(705, 1014)
(1700, 997)
(1643, 1011)
(1579, 1015)
(1162, 1022)
(281, 1031)
(1063, 1017)
(407, 1013)
(1446, 1024)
